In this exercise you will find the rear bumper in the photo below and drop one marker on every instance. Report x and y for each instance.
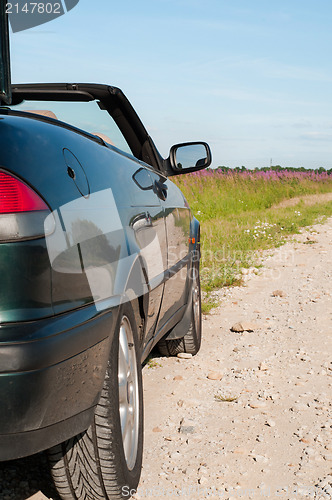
(23, 444)
(51, 375)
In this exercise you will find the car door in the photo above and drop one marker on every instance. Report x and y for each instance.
(177, 221)
(110, 243)
(146, 231)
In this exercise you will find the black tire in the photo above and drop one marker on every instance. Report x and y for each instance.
(191, 341)
(104, 462)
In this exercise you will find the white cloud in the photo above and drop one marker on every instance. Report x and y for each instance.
(317, 136)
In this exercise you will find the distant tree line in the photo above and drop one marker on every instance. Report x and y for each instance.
(276, 168)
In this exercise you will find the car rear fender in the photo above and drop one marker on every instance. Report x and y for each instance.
(132, 287)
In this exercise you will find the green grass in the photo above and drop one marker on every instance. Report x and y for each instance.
(151, 362)
(239, 217)
(208, 303)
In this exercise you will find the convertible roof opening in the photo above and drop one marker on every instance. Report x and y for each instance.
(109, 98)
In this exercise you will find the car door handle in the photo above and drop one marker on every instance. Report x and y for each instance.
(160, 189)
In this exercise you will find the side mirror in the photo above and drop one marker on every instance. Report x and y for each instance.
(189, 157)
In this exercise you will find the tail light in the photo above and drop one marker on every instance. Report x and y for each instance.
(22, 211)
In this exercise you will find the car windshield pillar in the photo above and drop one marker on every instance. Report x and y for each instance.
(5, 87)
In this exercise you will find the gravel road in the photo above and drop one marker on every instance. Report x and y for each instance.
(274, 440)
(249, 416)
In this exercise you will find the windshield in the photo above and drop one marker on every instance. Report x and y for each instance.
(84, 115)
(5, 89)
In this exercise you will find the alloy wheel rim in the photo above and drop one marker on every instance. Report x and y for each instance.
(128, 392)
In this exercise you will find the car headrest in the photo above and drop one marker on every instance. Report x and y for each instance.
(42, 112)
(104, 138)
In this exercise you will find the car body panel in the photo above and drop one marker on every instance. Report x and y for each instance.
(177, 218)
(52, 370)
(26, 281)
(120, 231)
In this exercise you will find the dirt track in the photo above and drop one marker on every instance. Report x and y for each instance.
(274, 440)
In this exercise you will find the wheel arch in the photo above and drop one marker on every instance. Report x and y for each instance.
(136, 291)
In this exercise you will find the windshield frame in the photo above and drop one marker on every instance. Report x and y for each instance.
(5, 79)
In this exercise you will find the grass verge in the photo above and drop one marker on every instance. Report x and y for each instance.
(242, 214)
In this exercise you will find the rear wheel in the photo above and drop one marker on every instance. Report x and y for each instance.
(105, 461)
(191, 341)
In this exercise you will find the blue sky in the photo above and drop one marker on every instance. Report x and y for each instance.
(252, 78)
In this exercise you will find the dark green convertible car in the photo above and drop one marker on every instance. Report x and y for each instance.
(99, 263)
